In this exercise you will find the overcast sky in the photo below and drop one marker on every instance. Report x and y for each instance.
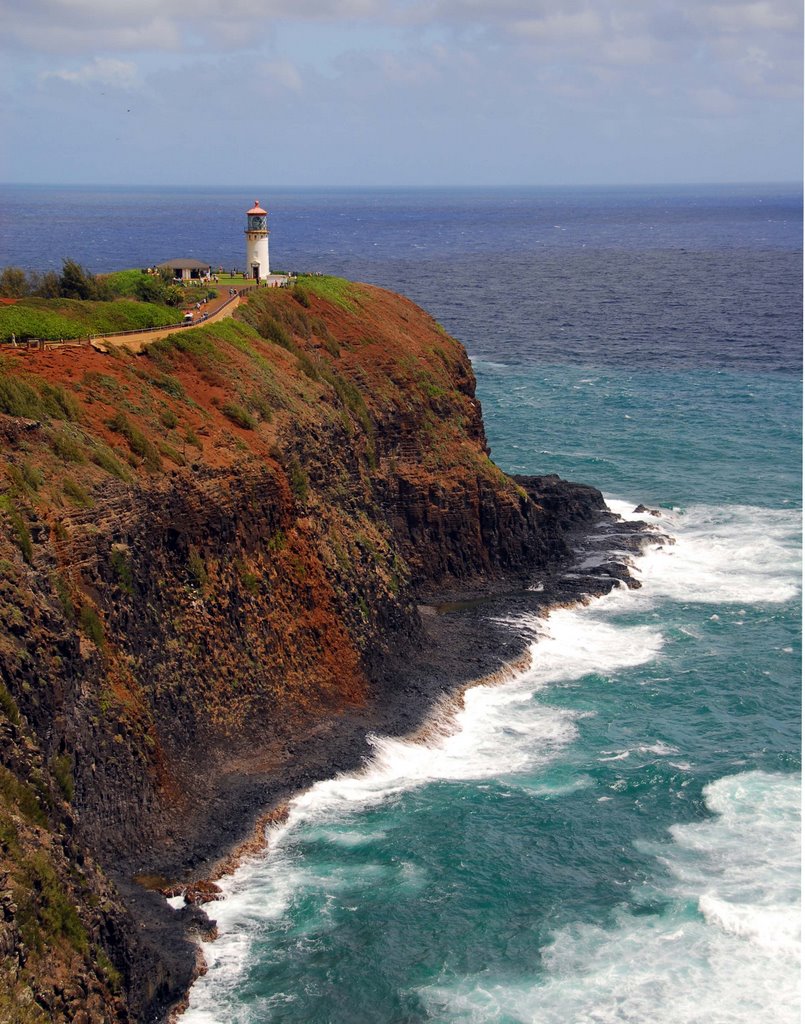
(400, 92)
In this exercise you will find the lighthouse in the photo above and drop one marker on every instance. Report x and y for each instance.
(257, 242)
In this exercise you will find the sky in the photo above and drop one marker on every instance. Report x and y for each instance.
(400, 92)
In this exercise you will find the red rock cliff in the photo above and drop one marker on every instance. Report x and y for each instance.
(208, 551)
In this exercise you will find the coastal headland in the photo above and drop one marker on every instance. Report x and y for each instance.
(224, 561)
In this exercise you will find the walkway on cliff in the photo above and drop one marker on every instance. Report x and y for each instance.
(209, 313)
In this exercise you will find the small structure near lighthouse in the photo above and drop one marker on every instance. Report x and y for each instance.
(257, 242)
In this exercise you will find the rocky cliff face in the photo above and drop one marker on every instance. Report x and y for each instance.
(209, 554)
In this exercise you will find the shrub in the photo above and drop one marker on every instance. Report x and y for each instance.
(16, 791)
(138, 442)
(301, 296)
(122, 569)
(299, 481)
(67, 448)
(259, 403)
(103, 457)
(195, 563)
(8, 705)
(32, 475)
(19, 398)
(237, 414)
(62, 768)
(65, 600)
(20, 532)
(46, 914)
(170, 385)
(92, 626)
(76, 493)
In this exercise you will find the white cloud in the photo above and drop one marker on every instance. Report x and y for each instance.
(119, 74)
(560, 26)
(281, 76)
(714, 100)
(739, 17)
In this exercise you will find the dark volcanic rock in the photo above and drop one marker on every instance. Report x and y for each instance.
(183, 647)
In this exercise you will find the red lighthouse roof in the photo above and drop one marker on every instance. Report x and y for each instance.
(257, 209)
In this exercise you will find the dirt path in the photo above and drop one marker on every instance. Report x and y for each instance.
(211, 312)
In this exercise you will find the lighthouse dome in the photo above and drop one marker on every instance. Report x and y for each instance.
(257, 209)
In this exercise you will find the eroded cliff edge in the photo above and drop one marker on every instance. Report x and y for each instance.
(210, 565)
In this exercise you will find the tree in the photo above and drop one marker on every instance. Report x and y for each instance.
(45, 286)
(77, 283)
(14, 283)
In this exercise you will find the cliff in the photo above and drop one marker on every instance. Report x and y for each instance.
(210, 565)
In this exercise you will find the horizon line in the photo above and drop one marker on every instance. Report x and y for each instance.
(792, 182)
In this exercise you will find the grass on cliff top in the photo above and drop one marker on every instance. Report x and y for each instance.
(337, 290)
(74, 318)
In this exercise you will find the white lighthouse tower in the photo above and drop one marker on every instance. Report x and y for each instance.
(257, 242)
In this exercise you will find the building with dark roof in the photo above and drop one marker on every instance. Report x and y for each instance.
(187, 269)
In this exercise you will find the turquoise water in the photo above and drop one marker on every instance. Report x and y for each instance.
(612, 836)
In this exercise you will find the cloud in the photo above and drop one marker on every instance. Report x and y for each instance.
(560, 26)
(119, 74)
(714, 100)
(127, 25)
(280, 76)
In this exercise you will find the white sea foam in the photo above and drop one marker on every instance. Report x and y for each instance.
(724, 949)
(722, 555)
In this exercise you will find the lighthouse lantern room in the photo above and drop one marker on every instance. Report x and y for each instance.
(257, 242)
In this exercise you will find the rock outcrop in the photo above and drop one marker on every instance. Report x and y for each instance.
(211, 555)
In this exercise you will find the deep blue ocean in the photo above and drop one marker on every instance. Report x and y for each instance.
(612, 836)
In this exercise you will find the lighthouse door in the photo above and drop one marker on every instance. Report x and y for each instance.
(256, 271)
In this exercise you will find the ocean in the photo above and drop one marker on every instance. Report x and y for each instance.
(613, 835)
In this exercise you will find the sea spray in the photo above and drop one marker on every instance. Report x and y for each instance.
(713, 935)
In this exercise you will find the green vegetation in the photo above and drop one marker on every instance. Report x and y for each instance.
(45, 913)
(138, 442)
(27, 479)
(170, 385)
(8, 705)
(122, 569)
(74, 282)
(37, 401)
(195, 563)
(298, 479)
(63, 594)
(193, 439)
(66, 447)
(113, 975)
(197, 342)
(237, 414)
(20, 533)
(158, 288)
(62, 768)
(337, 290)
(92, 626)
(77, 303)
(76, 493)
(301, 295)
(103, 457)
(15, 791)
(71, 318)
